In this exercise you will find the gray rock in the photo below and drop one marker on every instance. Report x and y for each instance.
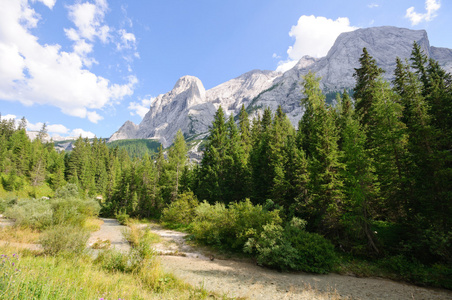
(189, 107)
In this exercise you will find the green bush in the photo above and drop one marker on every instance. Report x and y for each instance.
(33, 213)
(212, 223)
(70, 190)
(73, 210)
(64, 238)
(42, 213)
(292, 248)
(122, 217)
(181, 211)
(231, 227)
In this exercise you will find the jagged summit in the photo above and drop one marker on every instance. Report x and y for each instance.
(189, 107)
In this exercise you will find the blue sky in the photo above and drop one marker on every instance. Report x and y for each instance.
(87, 66)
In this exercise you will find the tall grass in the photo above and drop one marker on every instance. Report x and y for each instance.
(25, 275)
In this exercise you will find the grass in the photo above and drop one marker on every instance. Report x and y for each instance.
(93, 224)
(19, 235)
(25, 275)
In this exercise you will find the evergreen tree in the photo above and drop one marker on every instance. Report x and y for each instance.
(366, 77)
(325, 185)
(212, 170)
(177, 160)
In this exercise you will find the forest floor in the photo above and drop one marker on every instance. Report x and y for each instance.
(243, 279)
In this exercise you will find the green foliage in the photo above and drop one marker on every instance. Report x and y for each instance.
(292, 248)
(181, 211)
(64, 239)
(231, 227)
(136, 148)
(42, 213)
(70, 190)
(33, 213)
(122, 218)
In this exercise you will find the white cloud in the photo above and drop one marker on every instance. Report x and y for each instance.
(89, 18)
(141, 108)
(48, 3)
(127, 40)
(373, 5)
(8, 117)
(57, 128)
(44, 74)
(431, 7)
(314, 36)
(80, 132)
(94, 116)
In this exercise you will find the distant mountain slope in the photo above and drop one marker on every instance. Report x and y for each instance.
(189, 107)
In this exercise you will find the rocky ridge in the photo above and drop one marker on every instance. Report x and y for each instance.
(189, 107)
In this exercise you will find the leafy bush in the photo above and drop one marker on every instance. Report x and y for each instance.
(33, 213)
(122, 217)
(64, 238)
(42, 213)
(73, 210)
(292, 248)
(231, 227)
(181, 211)
(212, 223)
(70, 190)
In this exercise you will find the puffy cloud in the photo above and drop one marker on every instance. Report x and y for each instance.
(431, 7)
(48, 3)
(44, 74)
(8, 117)
(80, 132)
(57, 128)
(141, 108)
(88, 18)
(314, 36)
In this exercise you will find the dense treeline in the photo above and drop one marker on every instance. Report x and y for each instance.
(136, 148)
(372, 174)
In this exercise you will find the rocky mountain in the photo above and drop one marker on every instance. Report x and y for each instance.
(189, 107)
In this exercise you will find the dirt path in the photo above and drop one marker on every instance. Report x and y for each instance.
(241, 279)
(111, 230)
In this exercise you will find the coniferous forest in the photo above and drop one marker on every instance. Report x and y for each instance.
(369, 175)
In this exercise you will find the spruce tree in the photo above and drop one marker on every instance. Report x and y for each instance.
(366, 77)
(325, 185)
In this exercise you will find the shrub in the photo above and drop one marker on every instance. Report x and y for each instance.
(73, 210)
(122, 217)
(231, 227)
(64, 238)
(212, 223)
(181, 211)
(33, 213)
(292, 248)
(70, 190)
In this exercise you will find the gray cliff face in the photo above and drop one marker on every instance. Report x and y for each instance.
(189, 107)
(336, 69)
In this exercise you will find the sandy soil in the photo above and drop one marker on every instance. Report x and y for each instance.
(244, 279)
(111, 230)
(247, 280)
